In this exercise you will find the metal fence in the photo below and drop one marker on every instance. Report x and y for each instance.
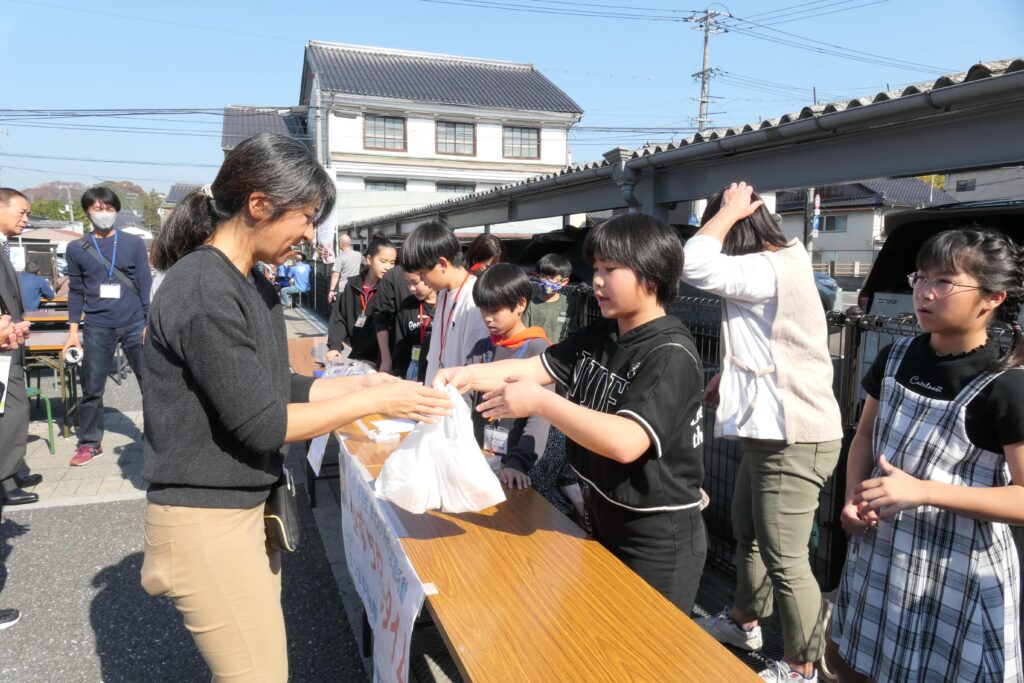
(854, 341)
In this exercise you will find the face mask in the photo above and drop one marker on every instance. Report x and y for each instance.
(550, 286)
(104, 220)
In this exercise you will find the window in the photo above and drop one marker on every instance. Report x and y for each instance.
(384, 132)
(385, 185)
(833, 223)
(521, 143)
(456, 138)
(456, 188)
(966, 185)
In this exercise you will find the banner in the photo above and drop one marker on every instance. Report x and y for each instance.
(387, 584)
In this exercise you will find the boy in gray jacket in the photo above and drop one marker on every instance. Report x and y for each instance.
(502, 293)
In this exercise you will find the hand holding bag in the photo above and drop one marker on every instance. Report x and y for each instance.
(281, 514)
(440, 465)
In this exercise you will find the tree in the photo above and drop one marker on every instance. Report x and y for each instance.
(937, 180)
(54, 209)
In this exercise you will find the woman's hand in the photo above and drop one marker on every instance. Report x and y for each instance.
(736, 202)
(517, 398)
(409, 400)
(711, 391)
(513, 479)
(892, 493)
(375, 379)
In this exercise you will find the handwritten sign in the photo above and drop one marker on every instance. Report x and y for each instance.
(387, 584)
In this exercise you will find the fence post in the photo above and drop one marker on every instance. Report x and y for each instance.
(849, 385)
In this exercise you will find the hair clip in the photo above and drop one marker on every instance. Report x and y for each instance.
(207, 191)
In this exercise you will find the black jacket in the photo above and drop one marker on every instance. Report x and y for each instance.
(345, 313)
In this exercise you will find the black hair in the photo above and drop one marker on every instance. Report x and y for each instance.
(9, 193)
(648, 246)
(427, 244)
(377, 242)
(300, 256)
(501, 287)
(992, 259)
(100, 194)
(554, 265)
(274, 164)
(753, 234)
(32, 268)
(484, 248)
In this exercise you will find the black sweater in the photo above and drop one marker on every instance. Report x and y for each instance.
(217, 386)
(342, 328)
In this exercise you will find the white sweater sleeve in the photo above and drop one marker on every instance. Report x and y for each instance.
(749, 278)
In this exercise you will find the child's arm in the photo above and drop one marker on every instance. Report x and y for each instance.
(613, 436)
(898, 491)
(859, 463)
(490, 376)
(384, 343)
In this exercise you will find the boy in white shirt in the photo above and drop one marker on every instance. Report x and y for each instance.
(432, 252)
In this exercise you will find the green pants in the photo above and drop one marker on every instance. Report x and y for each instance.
(777, 490)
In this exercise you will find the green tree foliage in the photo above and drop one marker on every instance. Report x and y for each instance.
(938, 180)
(56, 209)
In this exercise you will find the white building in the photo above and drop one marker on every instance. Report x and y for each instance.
(402, 129)
(990, 184)
(851, 228)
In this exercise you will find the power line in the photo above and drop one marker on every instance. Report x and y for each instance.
(109, 161)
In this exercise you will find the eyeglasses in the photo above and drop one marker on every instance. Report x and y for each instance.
(940, 285)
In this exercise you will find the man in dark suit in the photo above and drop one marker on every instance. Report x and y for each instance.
(14, 208)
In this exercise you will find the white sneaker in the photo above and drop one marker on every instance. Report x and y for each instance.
(779, 672)
(722, 628)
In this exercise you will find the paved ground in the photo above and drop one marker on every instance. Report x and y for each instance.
(71, 564)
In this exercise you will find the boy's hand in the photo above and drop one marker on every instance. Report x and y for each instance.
(513, 479)
(736, 202)
(517, 398)
(460, 378)
(892, 493)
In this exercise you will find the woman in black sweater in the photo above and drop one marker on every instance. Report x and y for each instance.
(214, 433)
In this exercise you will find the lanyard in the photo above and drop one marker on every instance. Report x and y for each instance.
(424, 325)
(113, 256)
(448, 322)
(366, 301)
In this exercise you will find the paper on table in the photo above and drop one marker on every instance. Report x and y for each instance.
(399, 425)
(315, 456)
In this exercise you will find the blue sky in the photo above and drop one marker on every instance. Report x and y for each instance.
(105, 54)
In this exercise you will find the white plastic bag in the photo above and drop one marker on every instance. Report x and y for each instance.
(440, 466)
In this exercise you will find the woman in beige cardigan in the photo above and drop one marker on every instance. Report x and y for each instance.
(774, 396)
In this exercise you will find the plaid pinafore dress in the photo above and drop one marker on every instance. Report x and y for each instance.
(929, 595)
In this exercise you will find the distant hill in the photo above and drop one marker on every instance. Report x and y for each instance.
(49, 199)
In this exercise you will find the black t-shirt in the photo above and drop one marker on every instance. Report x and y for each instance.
(995, 418)
(651, 375)
(410, 322)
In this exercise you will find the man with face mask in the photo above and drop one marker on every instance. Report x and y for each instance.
(110, 283)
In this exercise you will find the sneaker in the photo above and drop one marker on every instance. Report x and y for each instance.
(722, 628)
(8, 618)
(778, 672)
(85, 455)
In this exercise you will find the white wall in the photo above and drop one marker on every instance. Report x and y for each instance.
(857, 243)
(994, 183)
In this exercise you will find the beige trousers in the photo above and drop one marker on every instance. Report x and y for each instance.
(215, 565)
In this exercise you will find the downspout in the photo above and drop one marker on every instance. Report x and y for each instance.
(624, 176)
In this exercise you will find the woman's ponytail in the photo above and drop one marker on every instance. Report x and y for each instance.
(1009, 311)
(190, 224)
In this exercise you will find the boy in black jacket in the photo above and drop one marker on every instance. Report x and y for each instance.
(632, 414)
(502, 293)
(412, 329)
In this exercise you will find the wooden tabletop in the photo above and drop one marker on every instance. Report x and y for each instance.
(300, 354)
(61, 300)
(524, 595)
(47, 315)
(46, 340)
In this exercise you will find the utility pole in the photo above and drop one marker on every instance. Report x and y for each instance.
(706, 24)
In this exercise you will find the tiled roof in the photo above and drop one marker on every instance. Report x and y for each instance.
(178, 192)
(977, 72)
(436, 78)
(244, 122)
(868, 193)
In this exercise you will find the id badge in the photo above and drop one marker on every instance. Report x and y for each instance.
(495, 440)
(416, 352)
(361, 320)
(111, 290)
